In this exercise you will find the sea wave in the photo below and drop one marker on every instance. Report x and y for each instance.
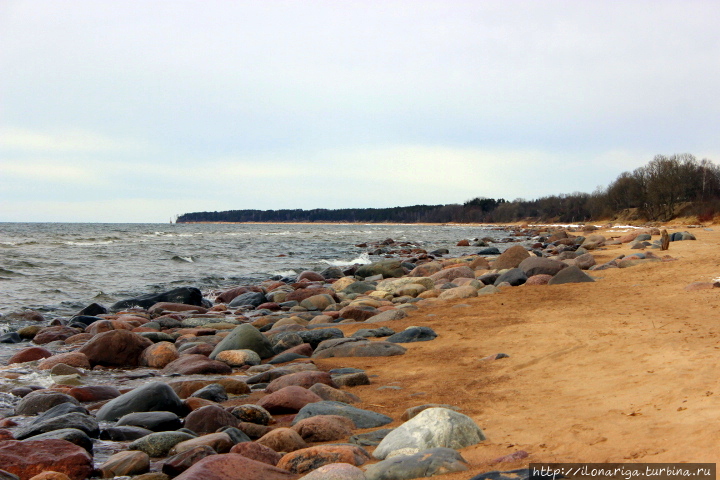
(179, 258)
(89, 244)
(363, 259)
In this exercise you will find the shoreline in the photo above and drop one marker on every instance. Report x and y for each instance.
(568, 346)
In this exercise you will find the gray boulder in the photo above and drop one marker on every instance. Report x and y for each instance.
(434, 461)
(413, 334)
(434, 427)
(362, 418)
(541, 266)
(514, 277)
(570, 275)
(152, 397)
(245, 337)
(249, 298)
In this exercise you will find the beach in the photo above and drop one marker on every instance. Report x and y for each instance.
(621, 369)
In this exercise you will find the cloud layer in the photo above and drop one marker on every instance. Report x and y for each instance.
(137, 111)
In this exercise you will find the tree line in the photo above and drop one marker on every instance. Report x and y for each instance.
(668, 186)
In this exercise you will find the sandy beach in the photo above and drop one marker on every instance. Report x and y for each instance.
(620, 370)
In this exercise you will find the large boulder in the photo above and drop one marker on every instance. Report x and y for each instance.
(75, 420)
(357, 347)
(28, 458)
(249, 298)
(116, 348)
(431, 428)
(151, 397)
(196, 364)
(570, 275)
(511, 258)
(361, 418)
(541, 266)
(186, 295)
(311, 458)
(42, 400)
(428, 463)
(386, 268)
(232, 466)
(449, 274)
(514, 276)
(245, 337)
(209, 419)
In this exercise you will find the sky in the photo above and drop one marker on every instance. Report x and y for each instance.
(137, 111)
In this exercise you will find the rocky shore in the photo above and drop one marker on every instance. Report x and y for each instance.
(280, 380)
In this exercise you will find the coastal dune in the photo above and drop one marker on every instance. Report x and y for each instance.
(620, 370)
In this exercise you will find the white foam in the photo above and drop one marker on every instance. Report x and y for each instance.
(284, 273)
(36, 378)
(363, 259)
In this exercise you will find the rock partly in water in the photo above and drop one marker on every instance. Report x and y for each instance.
(427, 463)
(152, 397)
(361, 418)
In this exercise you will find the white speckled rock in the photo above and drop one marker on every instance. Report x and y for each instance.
(434, 427)
(336, 471)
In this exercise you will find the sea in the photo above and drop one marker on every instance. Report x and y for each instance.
(59, 268)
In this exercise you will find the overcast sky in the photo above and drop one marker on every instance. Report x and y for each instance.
(135, 111)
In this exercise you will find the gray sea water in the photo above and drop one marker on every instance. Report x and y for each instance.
(58, 268)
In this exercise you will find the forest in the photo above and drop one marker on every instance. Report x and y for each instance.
(663, 189)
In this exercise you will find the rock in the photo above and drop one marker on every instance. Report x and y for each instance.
(570, 275)
(252, 299)
(10, 337)
(73, 359)
(359, 348)
(72, 435)
(159, 355)
(449, 274)
(154, 421)
(585, 261)
(213, 392)
(94, 393)
(125, 463)
(361, 418)
(304, 379)
(511, 258)
(238, 358)
(51, 334)
(42, 400)
(359, 313)
(288, 399)
(74, 420)
(318, 302)
(541, 266)
(62, 369)
(28, 458)
(359, 288)
(324, 428)
(308, 459)
(151, 397)
(185, 295)
(413, 334)
(231, 466)
(414, 411)
(30, 354)
(209, 419)
(8, 476)
(336, 471)
(425, 270)
(427, 463)
(351, 379)
(370, 439)
(252, 414)
(514, 276)
(50, 475)
(387, 316)
(123, 434)
(196, 364)
(386, 268)
(538, 280)
(518, 474)
(466, 291)
(434, 427)
(160, 443)
(594, 241)
(282, 440)
(219, 441)
(245, 337)
(228, 295)
(374, 332)
(28, 332)
(180, 462)
(257, 452)
(115, 348)
(327, 392)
